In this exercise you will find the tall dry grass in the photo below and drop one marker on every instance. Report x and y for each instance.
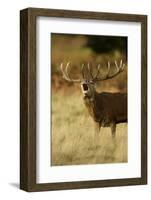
(73, 140)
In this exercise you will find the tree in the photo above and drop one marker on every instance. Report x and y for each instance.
(107, 44)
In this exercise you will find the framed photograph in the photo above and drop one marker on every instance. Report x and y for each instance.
(83, 99)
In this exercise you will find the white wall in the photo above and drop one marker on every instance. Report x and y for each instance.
(9, 100)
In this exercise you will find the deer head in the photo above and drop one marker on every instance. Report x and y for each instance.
(88, 79)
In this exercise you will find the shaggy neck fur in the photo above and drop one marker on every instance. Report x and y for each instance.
(91, 104)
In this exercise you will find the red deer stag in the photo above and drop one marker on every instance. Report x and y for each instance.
(106, 109)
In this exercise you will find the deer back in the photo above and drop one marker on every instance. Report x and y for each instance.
(108, 107)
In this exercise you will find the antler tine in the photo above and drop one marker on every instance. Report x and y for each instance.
(63, 74)
(82, 70)
(98, 71)
(122, 68)
(90, 71)
(67, 67)
(108, 68)
(66, 75)
(122, 65)
(121, 62)
(119, 69)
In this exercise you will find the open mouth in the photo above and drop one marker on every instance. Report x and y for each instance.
(85, 87)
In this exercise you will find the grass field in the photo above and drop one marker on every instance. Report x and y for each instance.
(72, 135)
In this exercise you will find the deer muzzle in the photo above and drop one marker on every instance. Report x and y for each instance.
(84, 88)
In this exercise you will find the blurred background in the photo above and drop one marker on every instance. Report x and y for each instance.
(72, 135)
(96, 50)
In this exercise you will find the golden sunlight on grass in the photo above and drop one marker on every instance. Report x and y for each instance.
(73, 139)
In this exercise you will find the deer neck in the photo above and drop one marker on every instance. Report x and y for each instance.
(90, 103)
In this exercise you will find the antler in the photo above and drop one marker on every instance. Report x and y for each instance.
(66, 75)
(119, 69)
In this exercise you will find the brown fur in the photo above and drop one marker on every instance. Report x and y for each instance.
(107, 109)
